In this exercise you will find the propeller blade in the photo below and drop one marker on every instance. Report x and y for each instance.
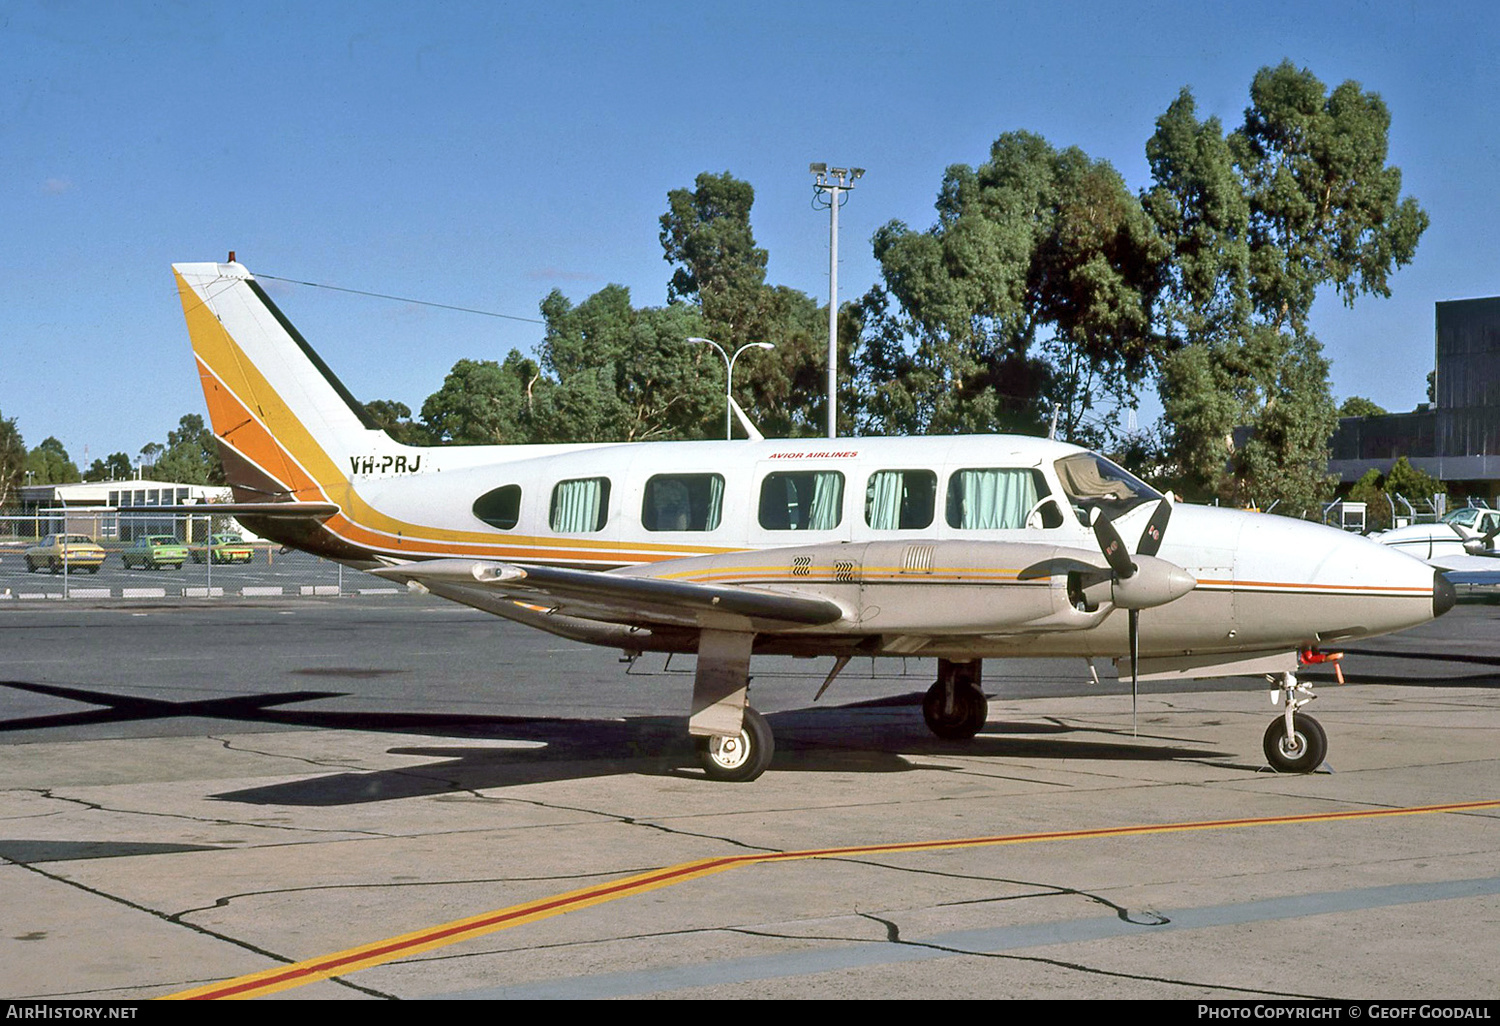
(1155, 527)
(1112, 545)
(1135, 670)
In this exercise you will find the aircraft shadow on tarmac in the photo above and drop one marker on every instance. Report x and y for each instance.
(863, 737)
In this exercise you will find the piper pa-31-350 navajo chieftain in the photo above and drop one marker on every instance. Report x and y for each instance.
(957, 548)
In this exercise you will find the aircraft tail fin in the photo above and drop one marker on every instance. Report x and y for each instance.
(284, 422)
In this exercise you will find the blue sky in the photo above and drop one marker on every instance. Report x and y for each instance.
(482, 154)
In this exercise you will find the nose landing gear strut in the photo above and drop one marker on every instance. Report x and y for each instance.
(1293, 743)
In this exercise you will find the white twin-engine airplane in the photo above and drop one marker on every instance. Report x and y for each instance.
(958, 548)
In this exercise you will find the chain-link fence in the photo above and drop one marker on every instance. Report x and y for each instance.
(71, 553)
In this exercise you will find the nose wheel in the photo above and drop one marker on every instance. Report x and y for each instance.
(741, 757)
(1294, 743)
(1303, 752)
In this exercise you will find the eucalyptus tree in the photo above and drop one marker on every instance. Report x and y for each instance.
(49, 463)
(1256, 221)
(624, 373)
(707, 237)
(191, 455)
(12, 461)
(482, 402)
(114, 467)
(395, 419)
(1033, 288)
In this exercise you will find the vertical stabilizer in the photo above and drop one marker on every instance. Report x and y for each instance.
(283, 419)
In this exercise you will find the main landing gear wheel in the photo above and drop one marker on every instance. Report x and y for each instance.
(1303, 752)
(742, 757)
(958, 719)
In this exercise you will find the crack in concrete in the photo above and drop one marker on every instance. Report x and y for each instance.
(893, 936)
(201, 930)
(1150, 917)
(650, 824)
(224, 901)
(214, 820)
(229, 745)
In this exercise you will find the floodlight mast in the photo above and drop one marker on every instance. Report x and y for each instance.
(829, 186)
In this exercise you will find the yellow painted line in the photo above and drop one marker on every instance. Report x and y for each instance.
(391, 949)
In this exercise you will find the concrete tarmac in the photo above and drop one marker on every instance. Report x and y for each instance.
(194, 792)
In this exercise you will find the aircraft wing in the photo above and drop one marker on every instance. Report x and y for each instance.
(1465, 563)
(620, 598)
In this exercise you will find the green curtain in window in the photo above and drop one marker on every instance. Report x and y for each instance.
(883, 500)
(996, 499)
(828, 500)
(577, 505)
(715, 502)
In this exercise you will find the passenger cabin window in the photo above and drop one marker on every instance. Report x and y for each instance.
(900, 500)
(1091, 482)
(683, 502)
(580, 506)
(808, 500)
(500, 507)
(999, 499)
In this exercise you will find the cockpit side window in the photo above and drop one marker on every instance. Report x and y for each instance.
(1093, 482)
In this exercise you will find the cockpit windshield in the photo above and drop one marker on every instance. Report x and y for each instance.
(1093, 482)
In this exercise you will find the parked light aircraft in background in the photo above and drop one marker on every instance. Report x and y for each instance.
(959, 548)
(1461, 545)
(1462, 539)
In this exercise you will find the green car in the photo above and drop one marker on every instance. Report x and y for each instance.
(155, 551)
(224, 548)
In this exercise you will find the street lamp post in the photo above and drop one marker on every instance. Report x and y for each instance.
(729, 376)
(829, 186)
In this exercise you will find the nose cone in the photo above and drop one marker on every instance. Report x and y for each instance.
(1292, 578)
(1155, 583)
(1443, 595)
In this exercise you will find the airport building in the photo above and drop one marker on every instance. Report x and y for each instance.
(117, 510)
(1456, 437)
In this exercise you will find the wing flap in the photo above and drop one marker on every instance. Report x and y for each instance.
(628, 597)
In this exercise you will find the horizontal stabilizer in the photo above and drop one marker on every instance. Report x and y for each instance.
(271, 510)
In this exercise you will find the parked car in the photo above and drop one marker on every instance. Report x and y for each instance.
(153, 551)
(65, 552)
(224, 548)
